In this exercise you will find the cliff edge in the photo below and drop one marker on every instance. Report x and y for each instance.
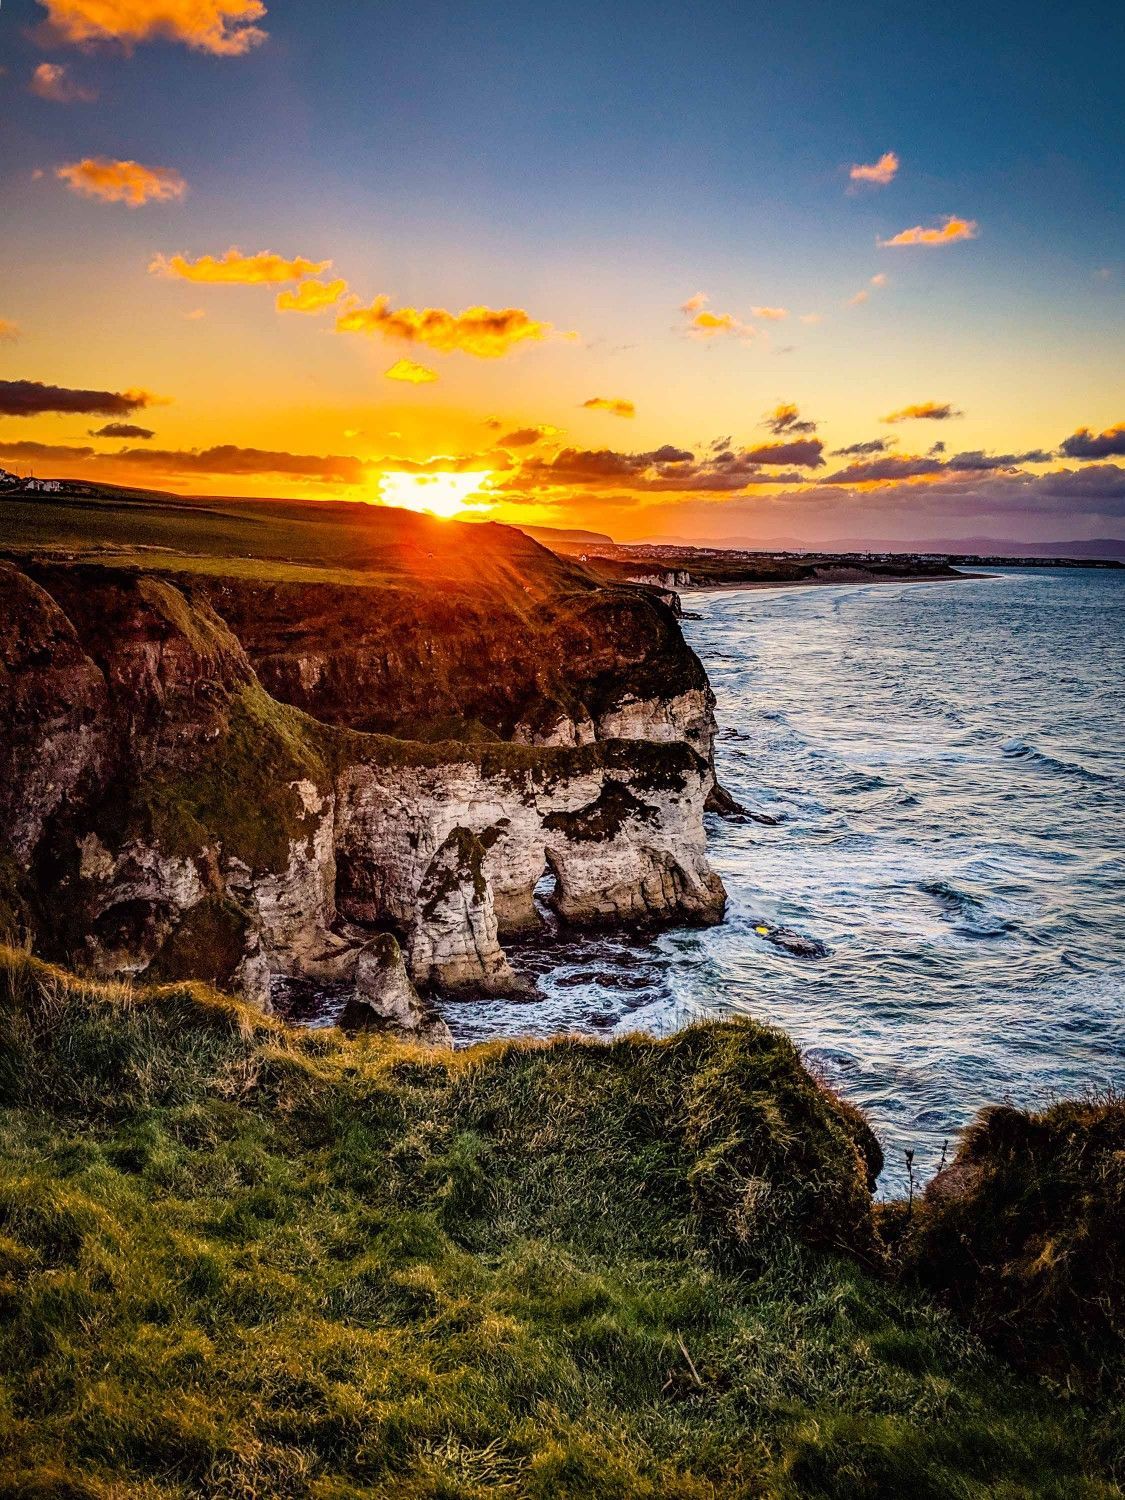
(232, 773)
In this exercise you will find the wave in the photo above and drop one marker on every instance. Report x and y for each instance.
(965, 907)
(1018, 749)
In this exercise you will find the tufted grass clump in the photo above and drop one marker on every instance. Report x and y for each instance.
(1024, 1236)
(238, 1260)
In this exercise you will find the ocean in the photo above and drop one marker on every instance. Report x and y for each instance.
(946, 765)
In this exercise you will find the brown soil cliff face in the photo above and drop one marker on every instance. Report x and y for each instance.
(403, 661)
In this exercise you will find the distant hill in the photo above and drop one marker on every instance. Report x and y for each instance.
(565, 541)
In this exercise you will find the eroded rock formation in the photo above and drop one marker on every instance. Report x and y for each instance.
(166, 815)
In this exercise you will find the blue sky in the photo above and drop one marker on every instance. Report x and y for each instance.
(596, 166)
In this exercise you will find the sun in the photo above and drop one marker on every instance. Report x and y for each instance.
(437, 494)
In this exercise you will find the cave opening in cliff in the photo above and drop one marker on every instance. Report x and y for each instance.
(546, 898)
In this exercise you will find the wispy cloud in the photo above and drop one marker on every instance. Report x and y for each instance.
(1086, 444)
(407, 370)
(53, 81)
(30, 398)
(925, 411)
(951, 230)
(225, 28)
(9, 331)
(616, 406)
(526, 437)
(235, 269)
(861, 450)
(485, 332)
(877, 173)
(312, 296)
(122, 181)
(864, 294)
(771, 314)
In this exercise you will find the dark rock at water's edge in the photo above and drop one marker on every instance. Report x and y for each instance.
(797, 943)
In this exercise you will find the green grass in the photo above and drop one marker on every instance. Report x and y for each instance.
(237, 1260)
(283, 541)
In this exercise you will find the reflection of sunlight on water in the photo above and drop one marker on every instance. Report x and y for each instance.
(968, 897)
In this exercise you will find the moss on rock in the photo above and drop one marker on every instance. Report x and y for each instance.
(240, 790)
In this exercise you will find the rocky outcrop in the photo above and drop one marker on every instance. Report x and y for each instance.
(384, 997)
(175, 818)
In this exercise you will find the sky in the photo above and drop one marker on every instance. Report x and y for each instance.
(726, 272)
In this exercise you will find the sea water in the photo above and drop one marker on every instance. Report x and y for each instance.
(946, 765)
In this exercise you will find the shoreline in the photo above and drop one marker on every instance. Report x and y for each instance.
(804, 583)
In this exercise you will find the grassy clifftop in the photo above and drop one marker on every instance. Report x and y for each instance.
(238, 1260)
(372, 617)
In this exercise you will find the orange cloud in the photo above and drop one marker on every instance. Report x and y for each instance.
(485, 332)
(708, 325)
(235, 269)
(224, 28)
(770, 314)
(859, 298)
(9, 331)
(312, 296)
(406, 369)
(880, 279)
(617, 406)
(526, 437)
(929, 411)
(811, 318)
(952, 230)
(879, 172)
(53, 81)
(122, 181)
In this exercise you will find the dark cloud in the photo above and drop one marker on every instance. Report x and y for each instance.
(30, 452)
(786, 419)
(1085, 444)
(876, 445)
(804, 452)
(29, 398)
(523, 437)
(121, 430)
(229, 459)
(980, 462)
(664, 469)
(224, 459)
(892, 466)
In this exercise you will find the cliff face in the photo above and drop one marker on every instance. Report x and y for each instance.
(563, 668)
(173, 817)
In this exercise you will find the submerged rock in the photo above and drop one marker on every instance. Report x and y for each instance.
(793, 942)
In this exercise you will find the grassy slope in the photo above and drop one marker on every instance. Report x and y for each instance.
(241, 1261)
(286, 540)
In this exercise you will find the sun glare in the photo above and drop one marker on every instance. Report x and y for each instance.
(443, 495)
